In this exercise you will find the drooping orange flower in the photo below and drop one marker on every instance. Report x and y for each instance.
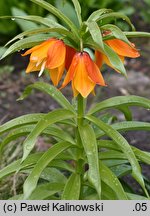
(52, 55)
(84, 74)
(121, 48)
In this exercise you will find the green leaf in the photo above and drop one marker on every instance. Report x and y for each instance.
(97, 14)
(121, 101)
(37, 19)
(114, 60)
(53, 175)
(129, 35)
(31, 181)
(50, 90)
(127, 126)
(58, 14)
(136, 197)
(25, 43)
(123, 145)
(141, 155)
(115, 15)
(108, 193)
(96, 34)
(59, 30)
(114, 162)
(121, 170)
(111, 155)
(16, 197)
(24, 25)
(127, 112)
(72, 188)
(68, 10)
(137, 34)
(43, 191)
(52, 130)
(29, 163)
(90, 146)
(78, 10)
(50, 118)
(63, 165)
(22, 120)
(15, 166)
(112, 181)
(116, 32)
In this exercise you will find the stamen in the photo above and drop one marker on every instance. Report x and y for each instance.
(42, 69)
(38, 63)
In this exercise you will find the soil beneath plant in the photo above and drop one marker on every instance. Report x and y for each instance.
(138, 83)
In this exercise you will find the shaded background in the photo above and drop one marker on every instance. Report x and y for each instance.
(13, 78)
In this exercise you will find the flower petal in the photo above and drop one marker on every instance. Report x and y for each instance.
(70, 52)
(93, 71)
(45, 43)
(98, 58)
(82, 83)
(75, 92)
(122, 48)
(32, 67)
(56, 74)
(70, 74)
(106, 60)
(56, 54)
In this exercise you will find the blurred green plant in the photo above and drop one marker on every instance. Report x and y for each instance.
(16, 7)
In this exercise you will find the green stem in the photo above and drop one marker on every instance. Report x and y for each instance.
(80, 112)
(81, 45)
(80, 109)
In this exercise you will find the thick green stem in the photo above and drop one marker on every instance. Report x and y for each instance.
(80, 118)
(80, 109)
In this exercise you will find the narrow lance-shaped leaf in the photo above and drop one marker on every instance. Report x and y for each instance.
(72, 188)
(116, 32)
(58, 14)
(127, 126)
(37, 19)
(31, 181)
(96, 34)
(115, 15)
(141, 155)
(124, 146)
(15, 166)
(90, 146)
(25, 43)
(129, 35)
(41, 30)
(22, 120)
(50, 118)
(137, 34)
(44, 191)
(78, 10)
(112, 181)
(96, 14)
(114, 60)
(127, 112)
(50, 90)
(119, 102)
(56, 132)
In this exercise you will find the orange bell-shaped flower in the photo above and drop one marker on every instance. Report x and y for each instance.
(121, 48)
(84, 74)
(52, 55)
